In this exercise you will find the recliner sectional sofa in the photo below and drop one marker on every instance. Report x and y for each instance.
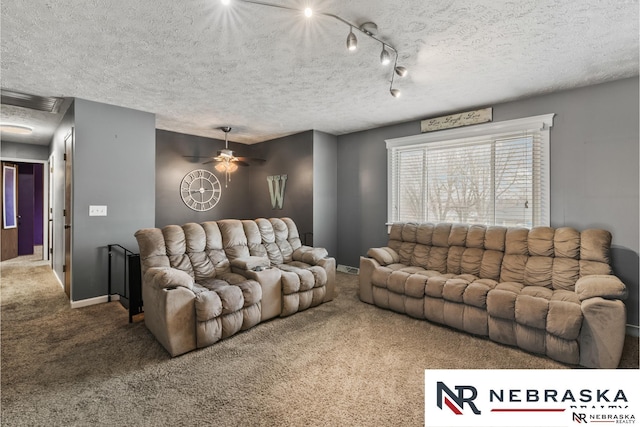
(545, 290)
(205, 282)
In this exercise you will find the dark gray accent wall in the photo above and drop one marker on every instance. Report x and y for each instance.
(113, 165)
(247, 194)
(594, 173)
(292, 156)
(14, 150)
(174, 159)
(325, 191)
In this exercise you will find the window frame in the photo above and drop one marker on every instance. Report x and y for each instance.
(539, 125)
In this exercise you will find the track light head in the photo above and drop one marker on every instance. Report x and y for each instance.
(401, 71)
(395, 93)
(352, 41)
(385, 58)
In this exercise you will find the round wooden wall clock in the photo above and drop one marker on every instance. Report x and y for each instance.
(200, 190)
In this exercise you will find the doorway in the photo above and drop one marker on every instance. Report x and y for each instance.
(26, 237)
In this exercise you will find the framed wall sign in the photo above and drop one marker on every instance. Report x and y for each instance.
(9, 214)
(457, 120)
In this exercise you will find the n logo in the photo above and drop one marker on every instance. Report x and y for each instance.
(276, 190)
(458, 398)
(580, 418)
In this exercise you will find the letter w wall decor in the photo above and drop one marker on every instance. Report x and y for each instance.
(276, 190)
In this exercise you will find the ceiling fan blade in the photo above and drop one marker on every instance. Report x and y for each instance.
(210, 161)
(251, 160)
(241, 163)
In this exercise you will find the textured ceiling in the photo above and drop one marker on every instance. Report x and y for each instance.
(269, 72)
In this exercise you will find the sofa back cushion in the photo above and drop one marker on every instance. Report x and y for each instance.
(193, 248)
(542, 256)
(279, 238)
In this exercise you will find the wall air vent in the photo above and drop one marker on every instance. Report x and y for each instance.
(34, 102)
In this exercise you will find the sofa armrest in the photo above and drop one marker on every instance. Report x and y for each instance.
(309, 255)
(600, 285)
(163, 277)
(384, 256)
(250, 263)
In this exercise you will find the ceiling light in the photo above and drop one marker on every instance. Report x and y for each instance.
(401, 71)
(352, 41)
(385, 58)
(369, 29)
(16, 129)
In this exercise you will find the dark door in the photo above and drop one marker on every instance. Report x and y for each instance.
(26, 209)
(8, 236)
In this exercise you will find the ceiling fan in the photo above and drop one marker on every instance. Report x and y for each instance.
(228, 157)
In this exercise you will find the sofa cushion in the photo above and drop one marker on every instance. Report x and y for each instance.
(309, 255)
(566, 271)
(230, 295)
(208, 306)
(540, 241)
(501, 301)
(564, 319)
(476, 293)
(566, 243)
(384, 255)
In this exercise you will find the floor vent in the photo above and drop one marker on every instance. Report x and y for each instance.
(347, 269)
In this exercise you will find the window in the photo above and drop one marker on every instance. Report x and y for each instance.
(493, 174)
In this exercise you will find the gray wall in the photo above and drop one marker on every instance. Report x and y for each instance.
(247, 195)
(113, 165)
(172, 166)
(325, 191)
(14, 150)
(292, 156)
(594, 173)
(57, 189)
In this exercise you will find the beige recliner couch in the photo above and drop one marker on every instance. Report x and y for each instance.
(205, 282)
(547, 291)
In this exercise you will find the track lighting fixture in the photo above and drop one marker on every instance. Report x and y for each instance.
(385, 58)
(352, 41)
(369, 29)
(401, 71)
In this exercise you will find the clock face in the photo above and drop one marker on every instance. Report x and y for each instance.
(200, 190)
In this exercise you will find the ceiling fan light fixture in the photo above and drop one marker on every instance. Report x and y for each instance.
(308, 12)
(226, 167)
(352, 41)
(225, 2)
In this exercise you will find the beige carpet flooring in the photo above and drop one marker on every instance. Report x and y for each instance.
(344, 363)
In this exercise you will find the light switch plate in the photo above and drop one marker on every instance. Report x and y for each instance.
(96, 210)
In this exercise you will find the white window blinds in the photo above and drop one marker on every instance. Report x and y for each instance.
(494, 174)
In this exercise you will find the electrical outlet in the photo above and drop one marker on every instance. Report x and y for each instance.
(95, 210)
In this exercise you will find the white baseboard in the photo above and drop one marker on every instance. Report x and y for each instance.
(93, 301)
(348, 269)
